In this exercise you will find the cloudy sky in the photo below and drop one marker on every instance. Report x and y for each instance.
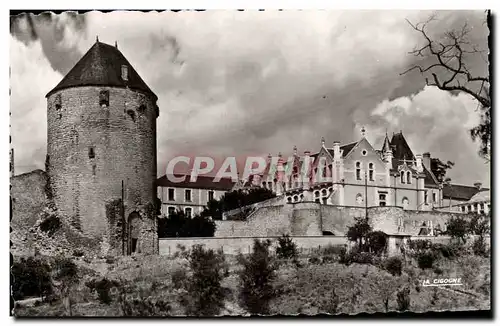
(251, 83)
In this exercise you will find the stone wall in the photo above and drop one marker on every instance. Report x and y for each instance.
(122, 139)
(337, 219)
(235, 245)
(28, 197)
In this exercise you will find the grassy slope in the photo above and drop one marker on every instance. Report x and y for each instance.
(305, 290)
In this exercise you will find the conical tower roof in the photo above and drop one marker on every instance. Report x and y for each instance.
(101, 66)
(387, 145)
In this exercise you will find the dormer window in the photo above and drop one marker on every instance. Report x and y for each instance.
(124, 72)
(104, 98)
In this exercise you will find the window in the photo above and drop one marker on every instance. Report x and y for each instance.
(57, 105)
(324, 201)
(358, 171)
(317, 200)
(263, 185)
(370, 172)
(124, 72)
(171, 194)
(91, 152)
(364, 152)
(426, 195)
(402, 177)
(316, 193)
(359, 199)
(210, 195)
(289, 199)
(434, 197)
(188, 211)
(187, 195)
(408, 177)
(406, 202)
(104, 98)
(269, 185)
(323, 192)
(295, 198)
(463, 208)
(381, 199)
(171, 211)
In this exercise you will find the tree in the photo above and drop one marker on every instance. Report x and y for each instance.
(458, 228)
(179, 225)
(359, 231)
(256, 276)
(447, 68)
(236, 199)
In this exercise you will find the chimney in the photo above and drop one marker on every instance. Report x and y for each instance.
(478, 185)
(418, 158)
(336, 149)
(427, 160)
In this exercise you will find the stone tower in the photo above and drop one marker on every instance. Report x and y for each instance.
(101, 134)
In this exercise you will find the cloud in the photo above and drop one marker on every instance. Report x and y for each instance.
(252, 83)
(31, 78)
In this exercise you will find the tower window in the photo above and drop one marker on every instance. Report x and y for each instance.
(408, 177)
(91, 152)
(426, 195)
(124, 72)
(434, 197)
(104, 98)
(402, 177)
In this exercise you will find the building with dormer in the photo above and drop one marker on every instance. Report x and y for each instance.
(358, 175)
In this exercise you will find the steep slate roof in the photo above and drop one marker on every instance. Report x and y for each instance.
(401, 150)
(101, 66)
(460, 192)
(202, 182)
(429, 178)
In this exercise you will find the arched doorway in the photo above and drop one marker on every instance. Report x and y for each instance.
(134, 220)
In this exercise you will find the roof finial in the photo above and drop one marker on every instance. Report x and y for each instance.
(97, 38)
(116, 44)
(295, 150)
(322, 141)
(363, 131)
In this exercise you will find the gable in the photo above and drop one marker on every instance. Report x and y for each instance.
(357, 152)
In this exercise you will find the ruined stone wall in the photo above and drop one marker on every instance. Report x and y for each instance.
(306, 219)
(122, 138)
(28, 197)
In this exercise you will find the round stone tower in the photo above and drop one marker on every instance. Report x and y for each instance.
(101, 147)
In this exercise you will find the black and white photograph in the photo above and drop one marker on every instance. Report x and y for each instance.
(250, 163)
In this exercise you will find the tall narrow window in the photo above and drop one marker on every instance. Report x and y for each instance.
(402, 177)
(188, 211)
(434, 197)
(358, 170)
(210, 195)
(171, 194)
(171, 211)
(408, 177)
(104, 98)
(426, 199)
(91, 152)
(359, 199)
(371, 172)
(187, 195)
(124, 72)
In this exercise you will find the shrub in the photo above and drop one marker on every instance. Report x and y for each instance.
(449, 251)
(332, 303)
(419, 245)
(204, 287)
(359, 231)
(50, 225)
(180, 225)
(344, 256)
(425, 259)
(363, 258)
(393, 265)
(403, 299)
(314, 260)
(102, 287)
(142, 306)
(110, 260)
(259, 270)
(179, 278)
(286, 249)
(331, 250)
(458, 227)
(328, 259)
(479, 247)
(31, 277)
(376, 242)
